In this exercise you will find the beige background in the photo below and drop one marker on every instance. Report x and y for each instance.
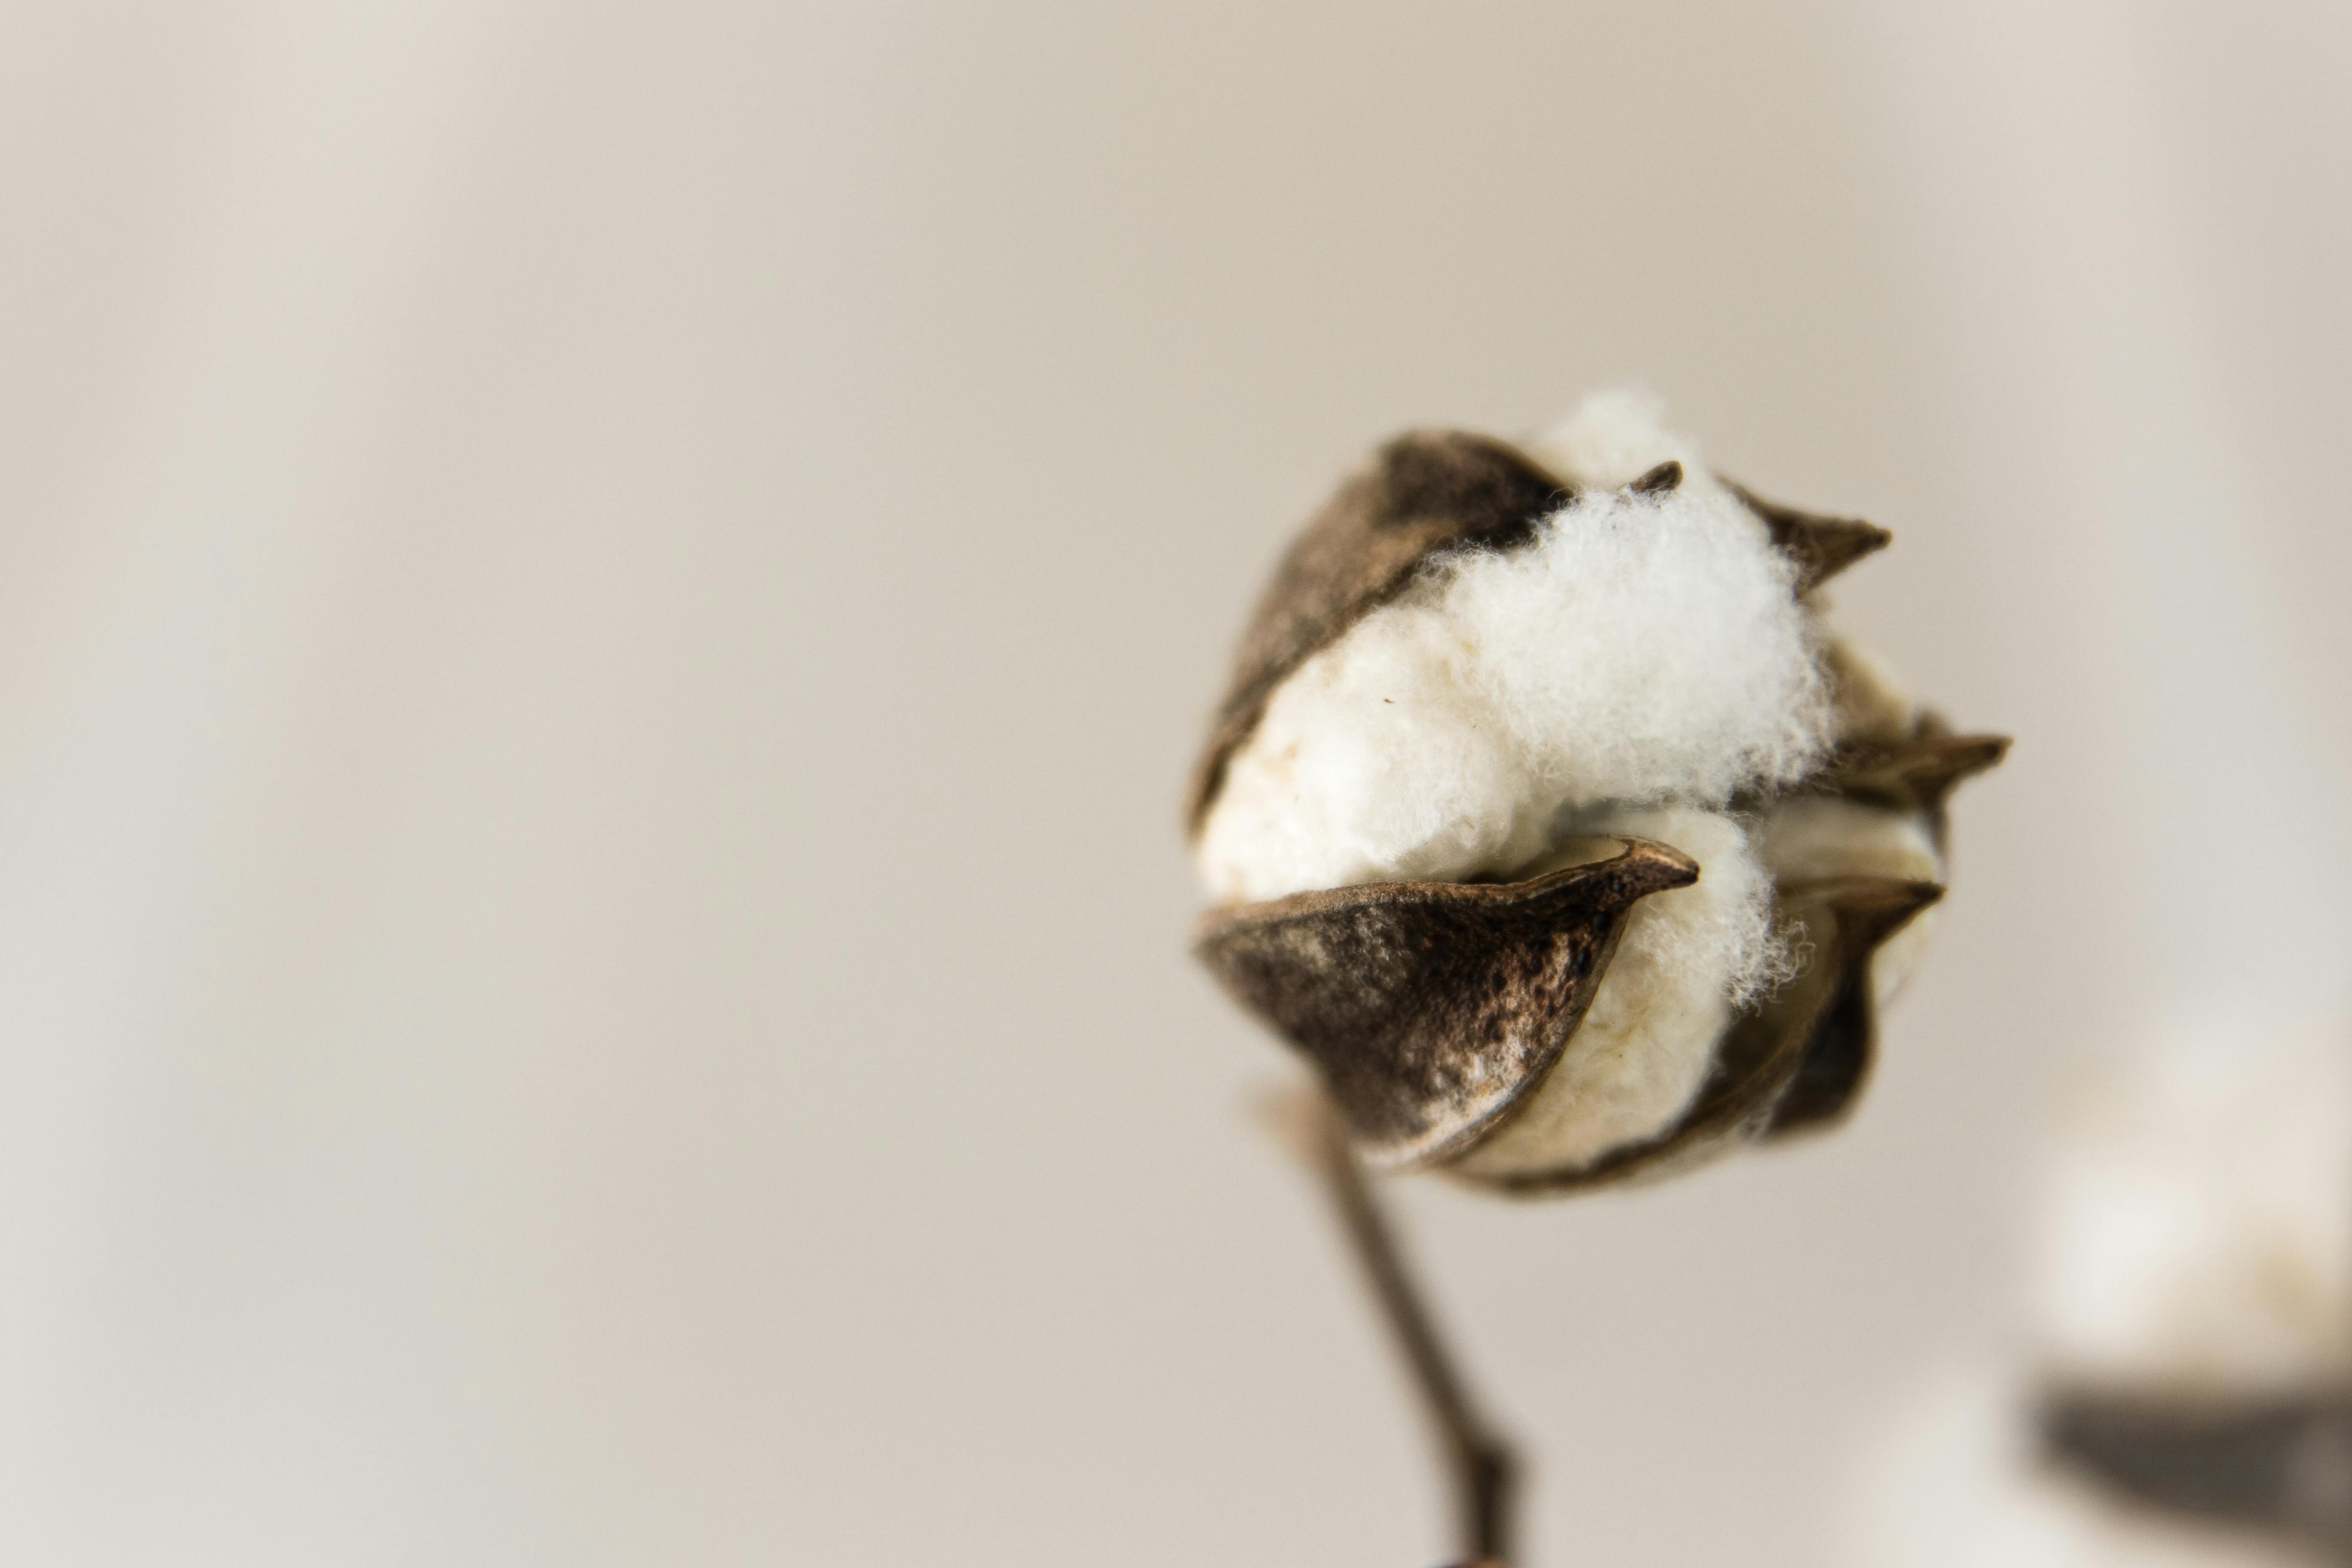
(603, 608)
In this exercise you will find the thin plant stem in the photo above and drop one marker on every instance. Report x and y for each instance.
(1479, 1466)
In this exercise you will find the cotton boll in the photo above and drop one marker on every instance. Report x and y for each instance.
(1686, 958)
(2199, 1235)
(1638, 648)
(1823, 836)
(1447, 683)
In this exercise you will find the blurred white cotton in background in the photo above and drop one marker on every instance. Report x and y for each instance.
(2195, 1242)
(2198, 1236)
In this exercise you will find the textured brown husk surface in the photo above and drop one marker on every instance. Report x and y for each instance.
(1429, 1008)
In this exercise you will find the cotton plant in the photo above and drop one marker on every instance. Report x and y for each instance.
(1551, 820)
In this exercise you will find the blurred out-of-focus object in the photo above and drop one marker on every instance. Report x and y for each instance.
(2187, 1395)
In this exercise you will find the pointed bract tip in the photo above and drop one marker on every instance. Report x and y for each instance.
(1918, 774)
(1825, 546)
(1871, 908)
(1666, 476)
(1652, 866)
(1820, 545)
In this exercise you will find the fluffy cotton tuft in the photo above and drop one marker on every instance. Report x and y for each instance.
(1641, 649)
(1688, 958)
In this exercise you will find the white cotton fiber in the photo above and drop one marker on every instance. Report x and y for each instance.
(1641, 649)
(1688, 957)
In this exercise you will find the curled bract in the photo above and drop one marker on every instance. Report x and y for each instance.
(1432, 1008)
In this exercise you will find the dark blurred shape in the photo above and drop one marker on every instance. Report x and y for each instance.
(2280, 1463)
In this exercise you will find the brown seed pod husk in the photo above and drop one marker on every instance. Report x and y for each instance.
(1825, 1010)
(1431, 1008)
(1914, 773)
